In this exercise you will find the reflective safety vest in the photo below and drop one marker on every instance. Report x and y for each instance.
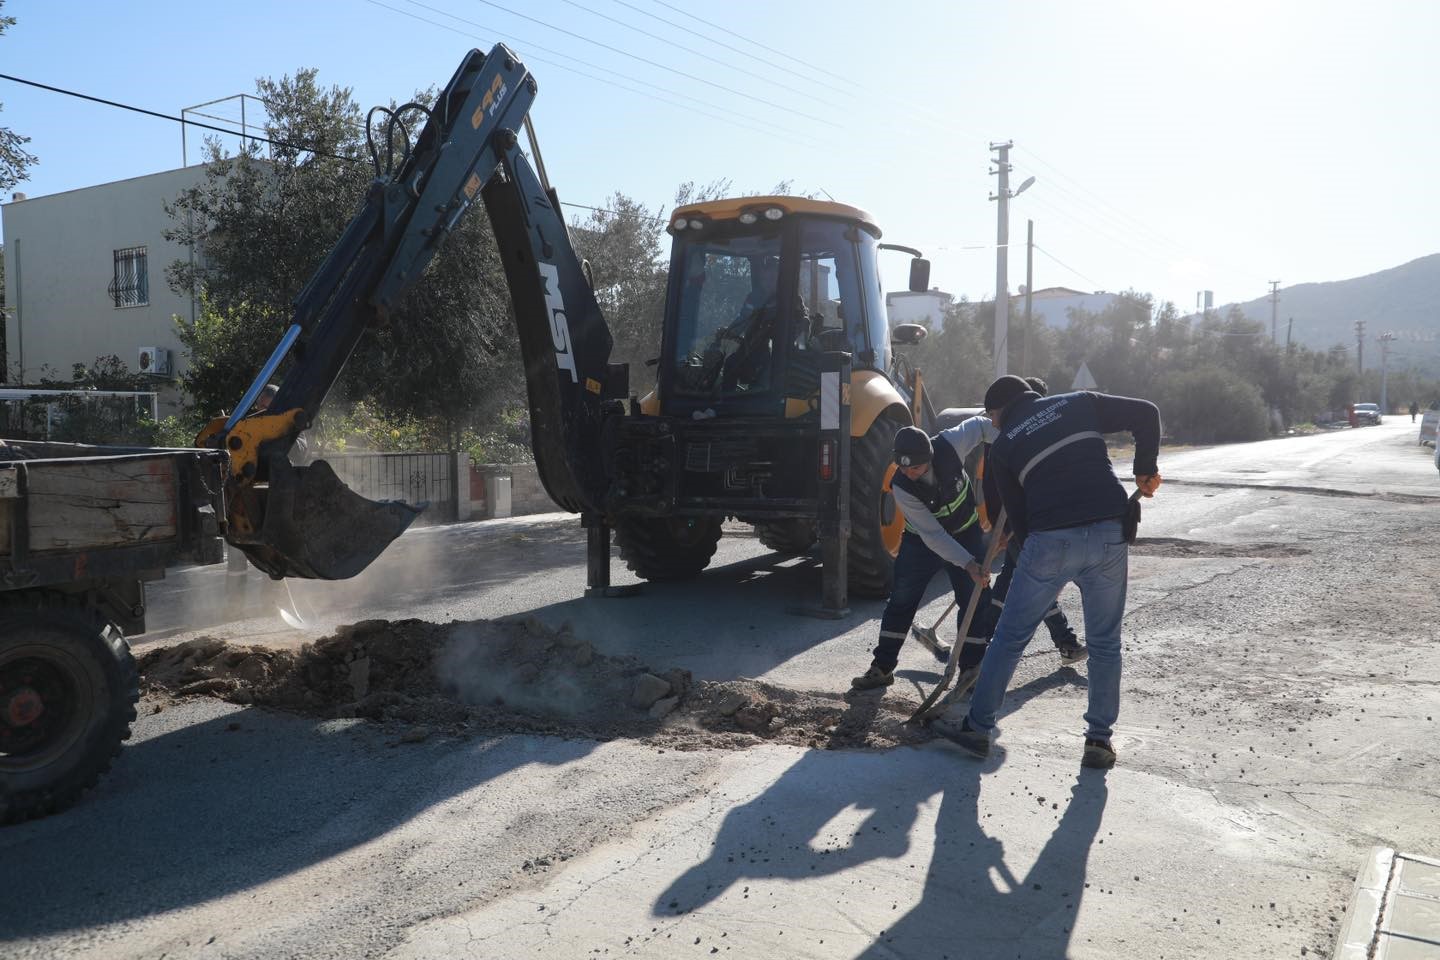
(949, 497)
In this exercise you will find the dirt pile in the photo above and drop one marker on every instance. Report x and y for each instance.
(512, 676)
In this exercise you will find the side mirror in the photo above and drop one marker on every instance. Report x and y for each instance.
(908, 334)
(919, 275)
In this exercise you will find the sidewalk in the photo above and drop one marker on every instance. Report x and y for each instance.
(1394, 911)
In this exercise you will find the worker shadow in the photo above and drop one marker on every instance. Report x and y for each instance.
(231, 803)
(831, 811)
(836, 811)
(973, 904)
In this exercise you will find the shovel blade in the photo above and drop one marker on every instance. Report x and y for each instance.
(317, 528)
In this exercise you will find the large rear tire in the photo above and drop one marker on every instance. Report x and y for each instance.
(873, 514)
(667, 549)
(68, 689)
(787, 536)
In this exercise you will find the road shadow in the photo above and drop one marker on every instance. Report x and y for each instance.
(729, 622)
(974, 905)
(833, 811)
(228, 804)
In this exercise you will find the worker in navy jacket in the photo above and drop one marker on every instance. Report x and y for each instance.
(1066, 506)
(1071, 650)
(942, 531)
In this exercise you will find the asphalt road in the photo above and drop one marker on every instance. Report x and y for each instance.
(1279, 719)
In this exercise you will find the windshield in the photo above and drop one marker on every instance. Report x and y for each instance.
(729, 311)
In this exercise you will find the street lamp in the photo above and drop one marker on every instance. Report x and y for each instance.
(1002, 249)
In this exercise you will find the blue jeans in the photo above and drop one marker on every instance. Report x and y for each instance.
(1095, 558)
(915, 565)
(1055, 620)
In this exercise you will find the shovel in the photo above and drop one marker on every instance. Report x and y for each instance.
(928, 707)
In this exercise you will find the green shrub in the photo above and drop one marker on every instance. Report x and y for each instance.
(1213, 405)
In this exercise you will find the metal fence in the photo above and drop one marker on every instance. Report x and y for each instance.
(411, 477)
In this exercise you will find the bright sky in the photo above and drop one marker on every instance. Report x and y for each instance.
(1178, 146)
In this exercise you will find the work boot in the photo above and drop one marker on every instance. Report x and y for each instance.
(873, 679)
(973, 742)
(1072, 651)
(1099, 755)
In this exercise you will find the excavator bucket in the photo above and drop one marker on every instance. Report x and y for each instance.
(317, 528)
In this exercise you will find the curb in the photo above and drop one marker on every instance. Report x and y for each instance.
(1394, 909)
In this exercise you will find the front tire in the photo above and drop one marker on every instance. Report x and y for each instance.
(787, 536)
(875, 521)
(68, 689)
(667, 548)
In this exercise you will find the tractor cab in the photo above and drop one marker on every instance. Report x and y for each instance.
(759, 288)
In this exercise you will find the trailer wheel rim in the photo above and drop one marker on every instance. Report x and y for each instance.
(44, 702)
(892, 519)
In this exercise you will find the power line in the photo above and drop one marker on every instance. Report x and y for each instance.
(1092, 227)
(671, 43)
(174, 119)
(921, 113)
(1066, 265)
(278, 143)
(718, 43)
(607, 78)
(1101, 203)
(658, 65)
(1108, 209)
(778, 53)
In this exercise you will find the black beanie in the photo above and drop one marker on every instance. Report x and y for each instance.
(912, 447)
(1003, 391)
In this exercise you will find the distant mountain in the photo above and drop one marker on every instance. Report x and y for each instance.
(1403, 300)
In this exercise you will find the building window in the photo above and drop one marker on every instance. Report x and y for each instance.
(131, 286)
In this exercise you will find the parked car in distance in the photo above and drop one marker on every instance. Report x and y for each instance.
(1367, 413)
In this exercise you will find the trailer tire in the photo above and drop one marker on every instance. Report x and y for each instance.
(68, 689)
(787, 536)
(871, 565)
(665, 548)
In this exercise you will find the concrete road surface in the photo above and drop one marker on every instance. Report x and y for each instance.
(1279, 719)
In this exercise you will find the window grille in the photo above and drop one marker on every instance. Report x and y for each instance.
(131, 285)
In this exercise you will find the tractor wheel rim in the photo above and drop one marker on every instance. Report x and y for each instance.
(43, 700)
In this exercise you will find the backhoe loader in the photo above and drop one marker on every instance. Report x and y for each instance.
(773, 402)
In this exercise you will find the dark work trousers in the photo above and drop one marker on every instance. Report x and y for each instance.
(1055, 620)
(915, 565)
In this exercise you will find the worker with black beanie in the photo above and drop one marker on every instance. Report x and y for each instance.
(942, 531)
(1065, 505)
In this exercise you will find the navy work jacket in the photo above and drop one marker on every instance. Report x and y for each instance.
(1051, 464)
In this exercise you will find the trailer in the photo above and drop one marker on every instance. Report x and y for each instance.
(82, 528)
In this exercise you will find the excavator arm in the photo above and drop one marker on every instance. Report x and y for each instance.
(301, 521)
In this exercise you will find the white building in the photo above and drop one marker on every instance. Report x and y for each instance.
(926, 308)
(1052, 305)
(85, 278)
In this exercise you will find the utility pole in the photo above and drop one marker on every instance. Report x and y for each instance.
(1385, 339)
(1360, 346)
(1003, 194)
(1029, 288)
(1274, 308)
(1289, 328)
(1002, 249)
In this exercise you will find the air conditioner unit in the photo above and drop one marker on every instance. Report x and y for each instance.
(155, 361)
